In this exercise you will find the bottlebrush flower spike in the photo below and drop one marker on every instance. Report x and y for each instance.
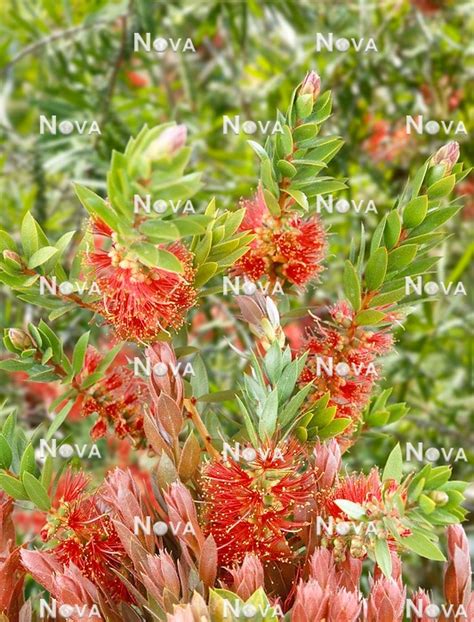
(457, 577)
(249, 506)
(288, 248)
(81, 533)
(140, 301)
(311, 603)
(352, 351)
(117, 399)
(247, 577)
(386, 601)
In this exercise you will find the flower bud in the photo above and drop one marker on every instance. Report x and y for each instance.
(20, 338)
(248, 577)
(311, 603)
(311, 85)
(457, 578)
(447, 156)
(11, 256)
(420, 602)
(439, 497)
(327, 463)
(344, 606)
(167, 144)
(386, 601)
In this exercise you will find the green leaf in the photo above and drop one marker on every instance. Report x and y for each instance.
(435, 219)
(155, 257)
(271, 203)
(368, 317)
(353, 510)
(13, 487)
(36, 491)
(423, 546)
(28, 463)
(351, 285)
(79, 353)
(41, 256)
(336, 427)
(394, 465)
(383, 557)
(29, 235)
(393, 228)
(205, 272)
(442, 188)
(96, 206)
(376, 269)
(401, 257)
(415, 212)
(6, 455)
(58, 420)
(299, 197)
(384, 299)
(267, 423)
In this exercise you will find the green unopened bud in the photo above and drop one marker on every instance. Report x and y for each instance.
(439, 497)
(20, 338)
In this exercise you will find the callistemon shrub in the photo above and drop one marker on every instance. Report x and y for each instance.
(215, 502)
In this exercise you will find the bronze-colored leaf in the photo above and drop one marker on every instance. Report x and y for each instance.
(208, 562)
(190, 457)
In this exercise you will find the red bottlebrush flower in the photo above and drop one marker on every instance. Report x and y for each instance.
(350, 352)
(137, 79)
(83, 534)
(385, 143)
(356, 488)
(139, 301)
(249, 506)
(117, 399)
(287, 248)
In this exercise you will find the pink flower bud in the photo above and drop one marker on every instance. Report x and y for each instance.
(162, 355)
(349, 572)
(311, 603)
(327, 463)
(160, 574)
(323, 568)
(344, 606)
(457, 577)
(170, 141)
(420, 602)
(447, 155)
(192, 612)
(181, 510)
(248, 577)
(311, 85)
(386, 601)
